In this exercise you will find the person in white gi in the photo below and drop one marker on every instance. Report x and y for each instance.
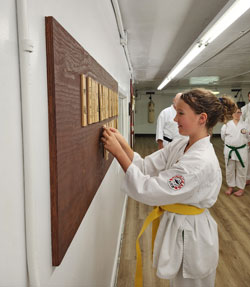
(235, 136)
(167, 129)
(246, 117)
(186, 173)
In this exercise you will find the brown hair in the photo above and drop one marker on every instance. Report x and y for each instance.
(204, 101)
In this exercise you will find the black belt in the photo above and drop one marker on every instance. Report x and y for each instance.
(167, 139)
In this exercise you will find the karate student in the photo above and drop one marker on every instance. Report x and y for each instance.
(235, 137)
(166, 128)
(182, 180)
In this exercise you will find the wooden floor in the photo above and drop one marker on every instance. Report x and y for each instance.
(231, 213)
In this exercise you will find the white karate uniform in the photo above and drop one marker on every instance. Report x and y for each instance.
(171, 176)
(246, 118)
(232, 136)
(246, 113)
(166, 126)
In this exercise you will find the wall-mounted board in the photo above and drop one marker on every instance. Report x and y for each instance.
(78, 162)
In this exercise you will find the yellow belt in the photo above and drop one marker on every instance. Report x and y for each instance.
(154, 217)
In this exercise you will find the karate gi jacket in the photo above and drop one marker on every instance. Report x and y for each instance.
(231, 135)
(166, 126)
(246, 115)
(171, 176)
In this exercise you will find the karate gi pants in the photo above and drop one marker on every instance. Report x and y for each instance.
(179, 281)
(236, 174)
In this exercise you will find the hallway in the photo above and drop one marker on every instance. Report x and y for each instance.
(231, 214)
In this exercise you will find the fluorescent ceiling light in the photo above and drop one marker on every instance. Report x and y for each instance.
(215, 92)
(203, 80)
(181, 64)
(231, 15)
(238, 8)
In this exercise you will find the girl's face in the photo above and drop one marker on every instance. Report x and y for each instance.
(237, 115)
(189, 123)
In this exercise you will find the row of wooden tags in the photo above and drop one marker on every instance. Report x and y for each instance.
(98, 102)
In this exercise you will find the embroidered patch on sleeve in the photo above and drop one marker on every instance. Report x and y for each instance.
(176, 182)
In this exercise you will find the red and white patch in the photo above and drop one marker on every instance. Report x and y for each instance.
(176, 182)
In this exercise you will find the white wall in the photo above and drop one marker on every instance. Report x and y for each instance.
(12, 238)
(161, 101)
(91, 258)
(164, 99)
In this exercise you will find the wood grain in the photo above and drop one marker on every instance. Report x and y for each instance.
(231, 213)
(77, 164)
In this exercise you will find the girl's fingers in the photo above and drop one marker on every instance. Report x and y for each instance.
(105, 129)
(108, 132)
(107, 136)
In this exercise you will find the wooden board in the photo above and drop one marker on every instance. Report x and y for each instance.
(77, 163)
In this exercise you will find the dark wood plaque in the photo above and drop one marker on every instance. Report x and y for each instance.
(77, 163)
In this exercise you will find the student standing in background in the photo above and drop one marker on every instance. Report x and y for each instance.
(235, 137)
(167, 129)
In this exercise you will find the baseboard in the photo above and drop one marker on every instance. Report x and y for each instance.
(119, 245)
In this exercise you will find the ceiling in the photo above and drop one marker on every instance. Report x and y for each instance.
(159, 32)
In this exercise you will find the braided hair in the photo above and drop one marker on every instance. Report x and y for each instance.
(204, 101)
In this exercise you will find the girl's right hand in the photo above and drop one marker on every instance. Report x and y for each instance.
(118, 136)
(110, 142)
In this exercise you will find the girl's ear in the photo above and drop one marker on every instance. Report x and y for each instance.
(203, 118)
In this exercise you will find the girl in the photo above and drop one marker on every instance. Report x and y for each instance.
(235, 137)
(184, 179)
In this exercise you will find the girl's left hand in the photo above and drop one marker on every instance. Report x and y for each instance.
(110, 142)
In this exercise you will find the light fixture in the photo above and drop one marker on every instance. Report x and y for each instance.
(238, 8)
(231, 15)
(208, 80)
(181, 64)
(215, 92)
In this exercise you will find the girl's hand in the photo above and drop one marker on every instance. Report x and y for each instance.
(115, 143)
(110, 141)
(119, 137)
